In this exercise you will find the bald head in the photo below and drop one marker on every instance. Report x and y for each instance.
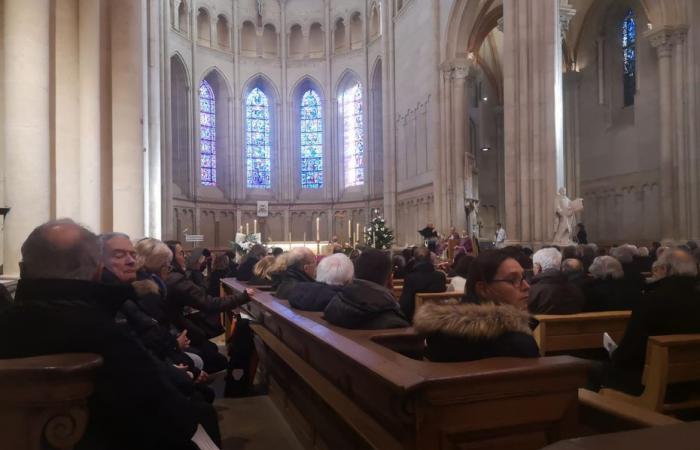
(60, 249)
(571, 266)
(303, 259)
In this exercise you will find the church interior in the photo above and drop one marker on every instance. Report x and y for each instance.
(349, 224)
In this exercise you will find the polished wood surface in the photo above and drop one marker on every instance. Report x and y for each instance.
(43, 400)
(349, 389)
(437, 297)
(566, 333)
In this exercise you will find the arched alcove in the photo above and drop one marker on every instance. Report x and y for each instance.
(316, 41)
(182, 17)
(248, 39)
(203, 26)
(375, 29)
(269, 40)
(216, 143)
(180, 142)
(222, 32)
(356, 35)
(339, 36)
(296, 42)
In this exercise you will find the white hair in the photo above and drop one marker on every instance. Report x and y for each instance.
(153, 254)
(547, 258)
(336, 270)
(679, 263)
(624, 253)
(606, 267)
(643, 251)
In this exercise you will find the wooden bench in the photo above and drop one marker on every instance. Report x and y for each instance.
(437, 297)
(44, 400)
(669, 360)
(370, 389)
(566, 333)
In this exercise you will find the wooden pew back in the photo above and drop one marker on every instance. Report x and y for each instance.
(437, 297)
(44, 400)
(561, 333)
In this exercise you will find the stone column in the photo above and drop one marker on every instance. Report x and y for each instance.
(127, 117)
(572, 82)
(91, 95)
(156, 110)
(533, 117)
(460, 128)
(388, 122)
(673, 162)
(26, 113)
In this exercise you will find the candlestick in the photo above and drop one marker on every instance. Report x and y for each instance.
(240, 228)
(357, 233)
(255, 226)
(318, 229)
(247, 228)
(350, 231)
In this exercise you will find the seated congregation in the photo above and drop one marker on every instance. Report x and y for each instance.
(150, 311)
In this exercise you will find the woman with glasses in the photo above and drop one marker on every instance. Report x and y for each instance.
(492, 319)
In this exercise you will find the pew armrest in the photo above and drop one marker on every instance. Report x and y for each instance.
(615, 406)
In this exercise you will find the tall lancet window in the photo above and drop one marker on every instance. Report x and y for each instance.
(311, 127)
(353, 141)
(207, 134)
(629, 57)
(257, 115)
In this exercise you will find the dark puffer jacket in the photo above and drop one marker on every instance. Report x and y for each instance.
(289, 278)
(424, 278)
(365, 305)
(312, 296)
(552, 293)
(470, 331)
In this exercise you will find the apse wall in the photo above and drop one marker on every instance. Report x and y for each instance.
(307, 45)
(619, 145)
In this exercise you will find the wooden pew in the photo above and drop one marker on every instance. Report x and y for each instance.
(566, 333)
(670, 359)
(437, 297)
(348, 389)
(44, 400)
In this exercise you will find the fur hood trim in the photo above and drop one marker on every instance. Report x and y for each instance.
(145, 287)
(478, 321)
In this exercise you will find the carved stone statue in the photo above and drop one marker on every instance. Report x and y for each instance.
(565, 217)
(260, 5)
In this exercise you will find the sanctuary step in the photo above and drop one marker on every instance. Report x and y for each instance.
(253, 423)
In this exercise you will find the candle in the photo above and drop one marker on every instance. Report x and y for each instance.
(357, 233)
(350, 230)
(240, 228)
(318, 229)
(247, 228)
(255, 226)
(304, 238)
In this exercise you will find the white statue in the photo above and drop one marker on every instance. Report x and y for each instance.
(565, 217)
(260, 5)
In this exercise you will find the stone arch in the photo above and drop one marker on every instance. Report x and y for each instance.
(316, 41)
(222, 92)
(203, 26)
(180, 124)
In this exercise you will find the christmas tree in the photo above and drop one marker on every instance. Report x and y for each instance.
(378, 235)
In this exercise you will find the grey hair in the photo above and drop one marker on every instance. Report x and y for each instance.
(299, 256)
(106, 237)
(547, 258)
(153, 254)
(336, 270)
(625, 253)
(606, 267)
(571, 266)
(47, 254)
(679, 263)
(643, 251)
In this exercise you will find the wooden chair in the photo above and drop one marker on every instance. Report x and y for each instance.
(561, 333)
(437, 297)
(44, 400)
(670, 359)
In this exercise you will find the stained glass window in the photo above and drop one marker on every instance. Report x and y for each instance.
(311, 141)
(354, 145)
(629, 56)
(207, 134)
(257, 116)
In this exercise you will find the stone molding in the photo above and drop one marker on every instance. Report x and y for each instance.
(666, 38)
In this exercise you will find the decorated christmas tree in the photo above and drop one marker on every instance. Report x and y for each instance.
(378, 235)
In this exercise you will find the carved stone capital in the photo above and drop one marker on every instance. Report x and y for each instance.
(665, 39)
(566, 13)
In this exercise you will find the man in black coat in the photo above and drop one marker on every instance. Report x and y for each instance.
(550, 290)
(672, 308)
(332, 274)
(424, 278)
(301, 267)
(134, 404)
(367, 303)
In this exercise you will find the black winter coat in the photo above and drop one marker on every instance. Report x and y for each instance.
(289, 278)
(424, 278)
(552, 293)
(312, 296)
(134, 404)
(245, 269)
(610, 295)
(365, 305)
(470, 331)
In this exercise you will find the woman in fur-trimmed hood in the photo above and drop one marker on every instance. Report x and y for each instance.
(491, 321)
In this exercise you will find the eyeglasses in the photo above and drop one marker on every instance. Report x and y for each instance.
(516, 282)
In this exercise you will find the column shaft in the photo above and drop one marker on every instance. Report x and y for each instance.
(27, 128)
